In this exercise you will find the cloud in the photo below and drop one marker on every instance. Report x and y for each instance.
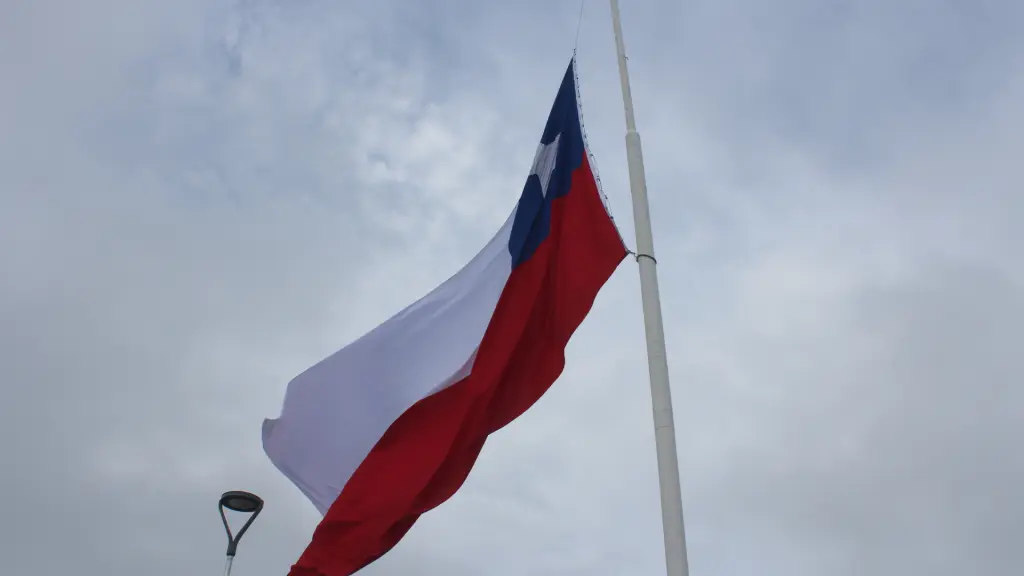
(202, 198)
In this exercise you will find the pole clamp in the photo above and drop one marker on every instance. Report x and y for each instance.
(638, 256)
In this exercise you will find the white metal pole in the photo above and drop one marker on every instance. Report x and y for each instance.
(227, 566)
(661, 396)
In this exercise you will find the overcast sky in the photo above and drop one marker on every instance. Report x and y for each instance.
(201, 198)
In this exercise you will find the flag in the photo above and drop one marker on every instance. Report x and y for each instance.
(390, 426)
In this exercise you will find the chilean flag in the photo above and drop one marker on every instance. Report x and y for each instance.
(389, 427)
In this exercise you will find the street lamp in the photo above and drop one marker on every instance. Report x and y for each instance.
(238, 501)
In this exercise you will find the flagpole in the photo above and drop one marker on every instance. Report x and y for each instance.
(661, 396)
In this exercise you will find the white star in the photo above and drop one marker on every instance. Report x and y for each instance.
(544, 163)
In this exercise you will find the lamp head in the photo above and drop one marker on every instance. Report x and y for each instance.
(239, 501)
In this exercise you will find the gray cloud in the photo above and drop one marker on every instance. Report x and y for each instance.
(202, 198)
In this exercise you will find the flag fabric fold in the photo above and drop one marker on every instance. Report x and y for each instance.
(390, 426)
